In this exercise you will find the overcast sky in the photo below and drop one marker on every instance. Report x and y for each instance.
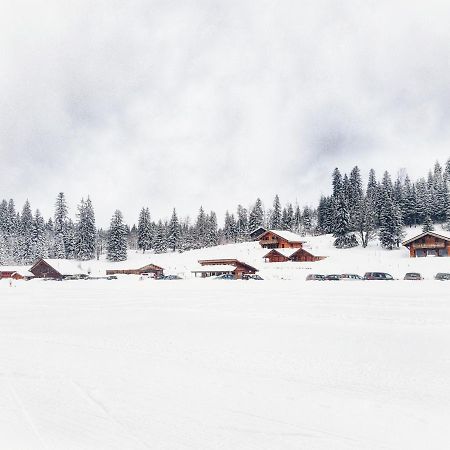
(187, 102)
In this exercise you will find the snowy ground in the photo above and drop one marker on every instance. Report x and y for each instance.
(214, 364)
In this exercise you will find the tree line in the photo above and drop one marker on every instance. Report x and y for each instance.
(352, 213)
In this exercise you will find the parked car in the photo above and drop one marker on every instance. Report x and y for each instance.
(413, 276)
(225, 276)
(378, 276)
(442, 276)
(315, 277)
(249, 276)
(332, 277)
(169, 277)
(351, 277)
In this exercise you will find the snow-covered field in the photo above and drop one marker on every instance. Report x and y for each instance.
(215, 364)
(199, 364)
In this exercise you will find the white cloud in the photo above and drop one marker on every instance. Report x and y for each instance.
(184, 103)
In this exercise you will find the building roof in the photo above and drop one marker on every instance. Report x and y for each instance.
(64, 266)
(257, 232)
(431, 233)
(287, 235)
(232, 262)
(21, 270)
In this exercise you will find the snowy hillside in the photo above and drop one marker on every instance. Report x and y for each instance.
(355, 260)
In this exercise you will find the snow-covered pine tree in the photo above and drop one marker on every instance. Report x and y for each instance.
(70, 239)
(58, 250)
(200, 229)
(365, 221)
(275, 218)
(256, 217)
(341, 227)
(144, 230)
(287, 218)
(86, 232)
(307, 220)
(355, 194)
(229, 229)
(25, 237)
(337, 183)
(160, 239)
(212, 235)
(242, 224)
(428, 225)
(39, 237)
(117, 238)
(174, 232)
(390, 232)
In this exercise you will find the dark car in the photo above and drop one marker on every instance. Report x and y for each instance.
(332, 277)
(315, 277)
(226, 276)
(378, 276)
(249, 276)
(413, 276)
(442, 276)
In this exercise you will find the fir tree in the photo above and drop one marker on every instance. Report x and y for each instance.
(275, 218)
(117, 238)
(344, 239)
(256, 218)
(144, 230)
(160, 239)
(428, 225)
(174, 232)
(85, 236)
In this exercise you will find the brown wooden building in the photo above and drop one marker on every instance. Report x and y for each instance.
(428, 244)
(15, 272)
(289, 254)
(280, 239)
(149, 268)
(215, 267)
(57, 268)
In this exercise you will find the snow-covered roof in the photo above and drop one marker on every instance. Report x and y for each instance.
(432, 233)
(288, 235)
(67, 266)
(21, 270)
(215, 268)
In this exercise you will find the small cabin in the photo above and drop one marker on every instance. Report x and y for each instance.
(428, 244)
(15, 272)
(280, 239)
(289, 254)
(216, 267)
(57, 269)
(153, 269)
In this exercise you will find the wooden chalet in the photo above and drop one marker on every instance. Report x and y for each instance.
(280, 239)
(428, 244)
(291, 254)
(216, 267)
(153, 269)
(57, 269)
(15, 272)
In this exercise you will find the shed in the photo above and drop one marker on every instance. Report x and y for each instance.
(149, 268)
(57, 268)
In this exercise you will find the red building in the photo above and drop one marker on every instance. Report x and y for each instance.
(280, 239)
(291, 254)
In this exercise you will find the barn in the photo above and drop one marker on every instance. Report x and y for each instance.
(280, 239)
(428, 244)
(216, 267)
(155, 270)
(57, 269)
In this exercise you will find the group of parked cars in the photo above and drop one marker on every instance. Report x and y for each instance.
(412, 276)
